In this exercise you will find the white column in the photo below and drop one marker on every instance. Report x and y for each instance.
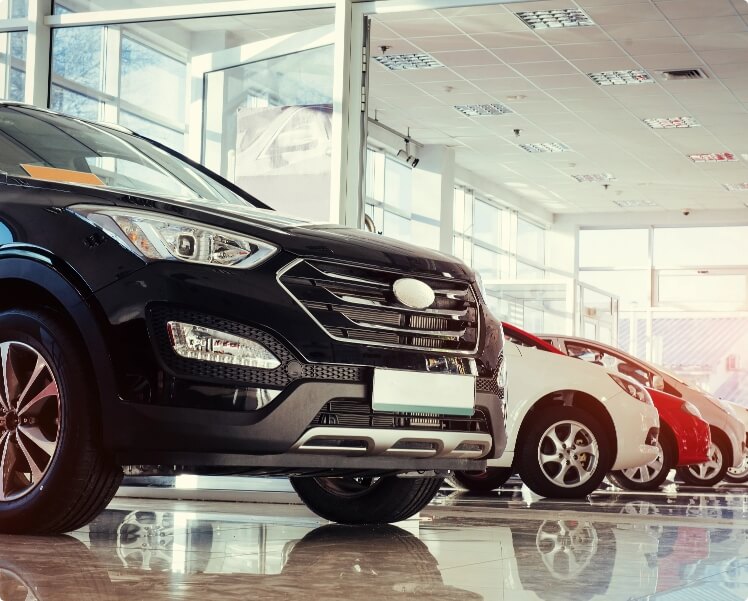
(38, 53)
(433, 183)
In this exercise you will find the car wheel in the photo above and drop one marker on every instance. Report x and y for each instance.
(711, 472)
(56, 477)
(349, 500)
(738, 475)
(563, 453)
(649, 476)
(489, 479)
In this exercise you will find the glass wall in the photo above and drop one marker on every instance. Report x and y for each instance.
(390, 202)
(684, 298)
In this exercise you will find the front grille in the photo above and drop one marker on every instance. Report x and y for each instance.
(356, 304)
(491, 384)
(357, 413)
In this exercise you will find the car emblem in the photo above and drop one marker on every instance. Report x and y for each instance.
(413, 293)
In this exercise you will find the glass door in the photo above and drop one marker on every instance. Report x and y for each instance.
(265, 119)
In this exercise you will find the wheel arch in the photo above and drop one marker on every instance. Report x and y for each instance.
(574, 398)
(33, 279)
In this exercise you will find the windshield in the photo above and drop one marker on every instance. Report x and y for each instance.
(44, 145)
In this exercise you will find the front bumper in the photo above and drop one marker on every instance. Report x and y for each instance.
(635, 423)
(693, 438)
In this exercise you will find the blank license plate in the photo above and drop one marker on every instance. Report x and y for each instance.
(419, 392)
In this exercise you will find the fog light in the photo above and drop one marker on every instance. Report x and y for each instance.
(206, 344)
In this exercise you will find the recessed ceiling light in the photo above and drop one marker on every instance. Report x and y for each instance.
(671, 122)
(620, 78)
(713, 157)
(403, 62)
(483, 110)
(560, 17)
(742, 187)
(627, 204)
(545, 147)
(594, 177)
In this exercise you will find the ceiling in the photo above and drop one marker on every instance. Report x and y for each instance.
(490, 55)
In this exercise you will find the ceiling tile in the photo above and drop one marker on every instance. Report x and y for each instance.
(489, 23)
(662, 62)
(506, 85)
(552, 82)
(717, 41)
(508, 39)
(641, 46)
(546, 68)
(682, 9)
(417, 28)
(529, 54)
(445, 43)
(610, 15)
(721, 57)
(700, 26)
(573, 35)
(595, 65)
(485, 72)
(643, 29)
(466, 58)
(599, 50)
(467, 11)
(444, 88)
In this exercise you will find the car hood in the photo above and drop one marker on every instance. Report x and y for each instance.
(294, 235)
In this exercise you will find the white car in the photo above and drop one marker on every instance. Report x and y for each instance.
(727, 428)
(568, 424)
(739, 474)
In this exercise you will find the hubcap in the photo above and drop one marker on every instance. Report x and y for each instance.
(742, 469)
(29, 419)
(647, 473)
(705, 471)
(568, 454)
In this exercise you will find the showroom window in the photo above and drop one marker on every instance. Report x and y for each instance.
(391, 205)
(13, 53)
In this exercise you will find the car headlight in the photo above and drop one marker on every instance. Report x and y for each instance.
(632, 389)
(155, 236)
(691, 408)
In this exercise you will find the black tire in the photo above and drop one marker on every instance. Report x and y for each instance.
(652, 475)
(688, 473)
(539, 479)
(486, 481)
(352, 501)
(79, 479)
(738, 475)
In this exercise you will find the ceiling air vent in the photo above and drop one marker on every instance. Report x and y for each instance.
(677, 74)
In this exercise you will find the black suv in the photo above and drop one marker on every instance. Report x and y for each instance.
(155, 317)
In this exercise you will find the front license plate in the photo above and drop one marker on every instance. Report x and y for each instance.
(419, 392)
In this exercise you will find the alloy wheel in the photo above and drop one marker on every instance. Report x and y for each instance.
(647, 473)
(29, 419)
(707, 470)
(568, 454)
(742, 470)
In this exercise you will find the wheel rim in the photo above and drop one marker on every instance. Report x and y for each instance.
(29, 419)
(705, 471)
(568, 454)
(566, 547)
(742, 470)
(348, 487)
(647, 473)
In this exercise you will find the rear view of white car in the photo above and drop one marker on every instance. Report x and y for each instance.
(568, 424)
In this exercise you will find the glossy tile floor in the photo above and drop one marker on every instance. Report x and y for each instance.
(688, 544)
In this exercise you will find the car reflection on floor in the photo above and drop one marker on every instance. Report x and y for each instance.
(506, 546)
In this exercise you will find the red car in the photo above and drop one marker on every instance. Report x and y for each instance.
(684, 436)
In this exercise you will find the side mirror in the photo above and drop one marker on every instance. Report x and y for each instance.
(658, 382)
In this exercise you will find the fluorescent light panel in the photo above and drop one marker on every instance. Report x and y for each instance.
(483, 110)
(713, 157)
(559, 17)
(405, 62)
(545, 147)
(594, 177)
(620, 78)
(671, 122)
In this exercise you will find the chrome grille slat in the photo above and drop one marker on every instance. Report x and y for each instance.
(356, 304)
